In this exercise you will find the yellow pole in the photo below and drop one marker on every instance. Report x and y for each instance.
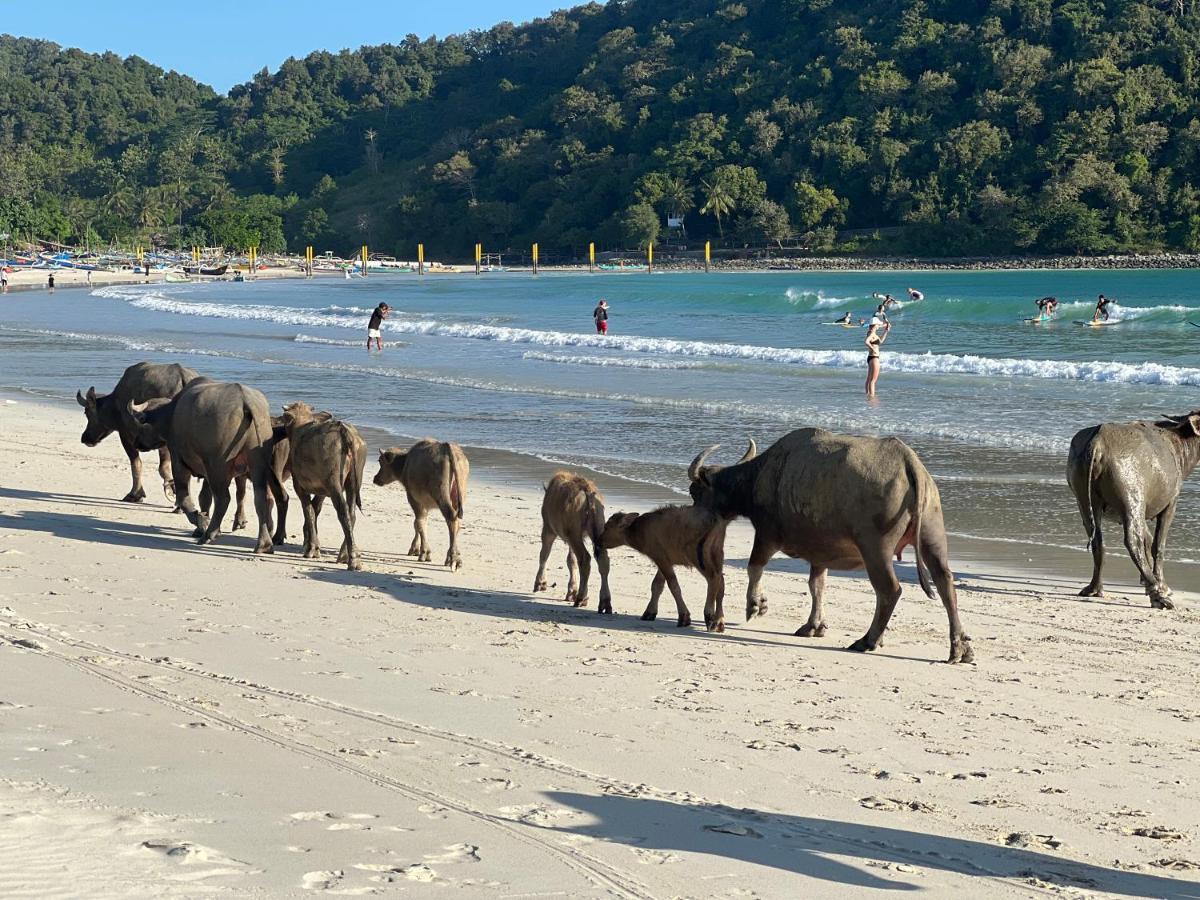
(478, 257)
(535, 258)
(420, 259)
(592, 256)
(707, 254)
(364, 260)
(649, 257)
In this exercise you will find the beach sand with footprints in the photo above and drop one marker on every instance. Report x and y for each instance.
(177, 720)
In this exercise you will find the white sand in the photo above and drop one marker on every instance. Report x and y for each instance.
(38, 279)
(177, 720)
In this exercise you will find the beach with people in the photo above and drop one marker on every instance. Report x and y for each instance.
(368, 727)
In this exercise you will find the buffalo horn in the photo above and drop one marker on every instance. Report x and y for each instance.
(694, 468)
(136, 408)
(751, 452)
(79, 399)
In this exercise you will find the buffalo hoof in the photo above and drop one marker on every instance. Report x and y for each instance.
(862, 645)
(134, 496)
(239, 524)
(1092, 590)
(355, 565)
(427, 556)
(808, 629)
(265, 548)
(605, 607)
(961, 652)
(312, 553)
(684, 622)
(649, 615)
(169, 490)
(580, 601)
(453, 563)
(278, 539)
(756, 609)
(540, 585)
(208, 537)
(1161, 601)
(717, 625)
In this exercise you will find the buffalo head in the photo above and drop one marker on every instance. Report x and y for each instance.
(100, 422)
(391, 465)
(701, 475)
(1186, 426)
(151, 420)
(616, 530)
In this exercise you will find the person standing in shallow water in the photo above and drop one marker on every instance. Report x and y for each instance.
(600, 314)
(876, 335)
(377, 316)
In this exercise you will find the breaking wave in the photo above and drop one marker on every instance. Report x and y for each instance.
(620, 362)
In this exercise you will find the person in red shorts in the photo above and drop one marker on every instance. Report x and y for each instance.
(600, 314)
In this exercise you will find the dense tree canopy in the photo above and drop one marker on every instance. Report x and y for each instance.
(951, 126)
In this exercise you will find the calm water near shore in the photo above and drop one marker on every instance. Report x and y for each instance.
(510, 362)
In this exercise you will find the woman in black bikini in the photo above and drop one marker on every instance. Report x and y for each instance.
(876, 335)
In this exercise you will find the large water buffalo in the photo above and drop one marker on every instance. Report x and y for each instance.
(434, 475)
(839, 502)
(107, 413)
(572, 510)
(1133, 472)
(216, 431)
(673, 536)
(326, 458)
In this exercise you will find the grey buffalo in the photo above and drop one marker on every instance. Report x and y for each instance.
(215, 431)
(572, 511)
(326, 459)
(434, 475)
(839, 502)
(673, 536)
(1133, 472)
(107, 413)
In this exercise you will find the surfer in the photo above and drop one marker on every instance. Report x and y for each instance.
(847, 319)
(914, 295)
(1047, 306)
(887, 300)
(876, 335)
(1102, 305)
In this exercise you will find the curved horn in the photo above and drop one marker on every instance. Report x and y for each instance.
(91, 394)
(751, 452)
(135, 408)
(79, 398)
(694, 468)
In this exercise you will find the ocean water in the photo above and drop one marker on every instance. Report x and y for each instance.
(510, 361)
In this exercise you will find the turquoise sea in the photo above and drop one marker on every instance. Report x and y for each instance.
(510, 361)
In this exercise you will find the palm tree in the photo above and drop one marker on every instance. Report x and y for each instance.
(719, 202)
(678, 197)
(372, 151)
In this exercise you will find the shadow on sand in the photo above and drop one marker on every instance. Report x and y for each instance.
(805, 846)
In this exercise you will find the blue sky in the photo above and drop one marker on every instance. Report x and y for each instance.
(224, 42)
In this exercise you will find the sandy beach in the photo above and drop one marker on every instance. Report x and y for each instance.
(36, 279)
(179, 720)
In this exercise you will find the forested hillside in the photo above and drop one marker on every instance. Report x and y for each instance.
(953, 126)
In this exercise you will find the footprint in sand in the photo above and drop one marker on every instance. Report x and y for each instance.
(322, 881)
(455, 853)
(321, 815)
(656, 857)
(391, 874)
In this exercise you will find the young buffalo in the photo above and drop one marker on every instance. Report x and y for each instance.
(434, 476)
(573, 509)
(676, 536)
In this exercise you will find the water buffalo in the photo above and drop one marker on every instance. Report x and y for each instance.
(573, 509)
(435, 476)
(1131, 473)
(839, 502)
(672, 536)
(280, 465)
(107, 413)
(216, 431)
(327, 458)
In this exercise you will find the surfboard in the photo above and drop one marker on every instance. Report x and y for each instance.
(843, 324)
(1088, 323)
(1038, 320)
(1197, 324)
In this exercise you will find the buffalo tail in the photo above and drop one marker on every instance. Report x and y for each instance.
(353, 480)
(1092, 511)
(456, 494)
(916, 477)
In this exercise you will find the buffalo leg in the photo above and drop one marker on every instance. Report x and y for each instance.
(572, 577)
(605, 606)
(220, 494)
(887, 594)
(281, 507)
(1095, 587)
(656, 589)
(239, 515)
(714, 602)
(539, 580)
(415, 548)
(137, 493)
(164, 472)
(345, 513)
(453, 557)
(760, 555)
(183, 496)
(579, 551)
(685, 615)
(935, 555)
(1137, 542)
(312, 545)
(1159, 548)
(262, 507)
(815, 626)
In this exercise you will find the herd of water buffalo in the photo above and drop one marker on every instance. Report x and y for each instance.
(837, 501)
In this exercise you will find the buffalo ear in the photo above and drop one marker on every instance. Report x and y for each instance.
(1190, 425)
(79, 398)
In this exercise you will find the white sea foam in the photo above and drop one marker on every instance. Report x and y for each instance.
(339, 342)
(920, 363)
(796, 296)
(620, 362)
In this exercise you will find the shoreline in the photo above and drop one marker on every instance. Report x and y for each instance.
(181, 719)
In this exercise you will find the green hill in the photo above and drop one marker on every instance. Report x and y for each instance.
(958, 127)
